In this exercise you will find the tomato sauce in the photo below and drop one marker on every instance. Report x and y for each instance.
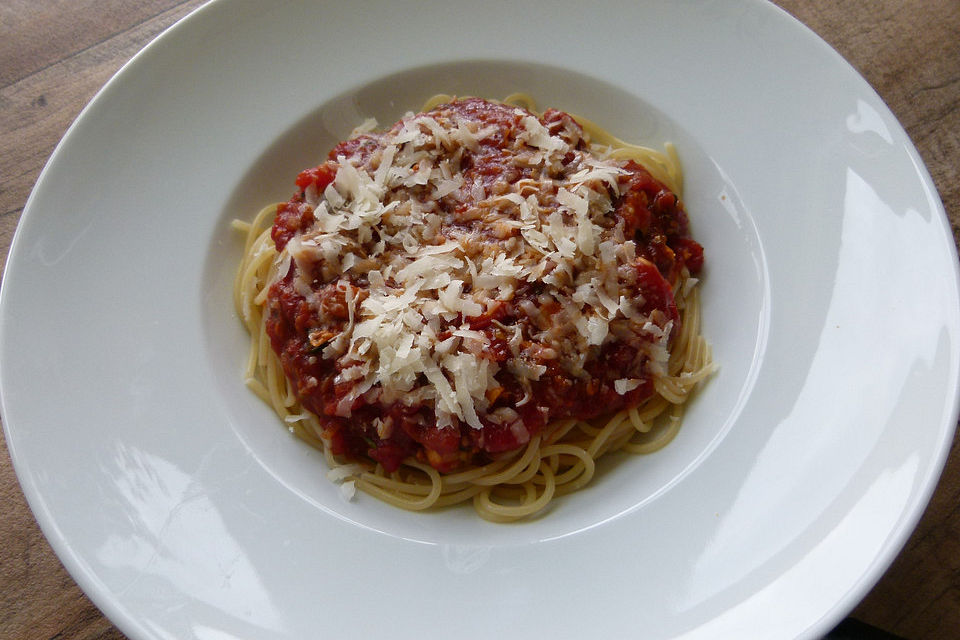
(650, 214)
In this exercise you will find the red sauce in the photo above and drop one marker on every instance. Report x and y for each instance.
(651, 215)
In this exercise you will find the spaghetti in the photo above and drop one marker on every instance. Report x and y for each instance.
(446, 309)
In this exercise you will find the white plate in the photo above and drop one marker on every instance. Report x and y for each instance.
(185, 511)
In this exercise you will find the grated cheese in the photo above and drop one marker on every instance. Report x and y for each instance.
(432, 250)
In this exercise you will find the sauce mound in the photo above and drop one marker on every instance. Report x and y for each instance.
(454, 285)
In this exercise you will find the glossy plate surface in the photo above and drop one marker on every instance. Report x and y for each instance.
(185, 510)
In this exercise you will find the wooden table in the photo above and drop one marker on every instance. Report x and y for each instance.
(55, 54)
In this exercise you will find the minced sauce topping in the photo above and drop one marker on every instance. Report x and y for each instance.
(451, 286)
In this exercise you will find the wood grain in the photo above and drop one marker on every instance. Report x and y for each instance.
(55, 55)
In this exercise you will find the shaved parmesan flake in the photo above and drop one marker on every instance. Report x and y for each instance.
(448, 186)
(348, 490)
(688, 286)
(624, 385)
(538, 135)
(341, 473)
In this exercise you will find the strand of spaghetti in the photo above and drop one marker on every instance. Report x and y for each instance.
(407, 480)
(265, 356)
(689, 369)
(306, 428)
(260, 294)
(414, 478)
(635, 420)
(405, 484)
(617, 441)
(456, 497)
(663, 438)
(522, 100)
(681, 345)
(576, 475)
(371, 483)
(257, 387)
(246, 279)
(561, 429)
(677, 388)
(515, 469)
(530, 488)
(254, 358)
(283, 384)
(266, 254)
(488, 469)
(263, 220)
(524, 474)
(649, 411)
(699, 356)
(606, 432)
(690, 379)
(689, 334)
(435, 101)
(669, 389)
(588, 429)
(491, 510)
(705, 364)
(245, 293)
(278, 387)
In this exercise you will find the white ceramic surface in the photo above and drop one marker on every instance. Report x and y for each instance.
(185, 511)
